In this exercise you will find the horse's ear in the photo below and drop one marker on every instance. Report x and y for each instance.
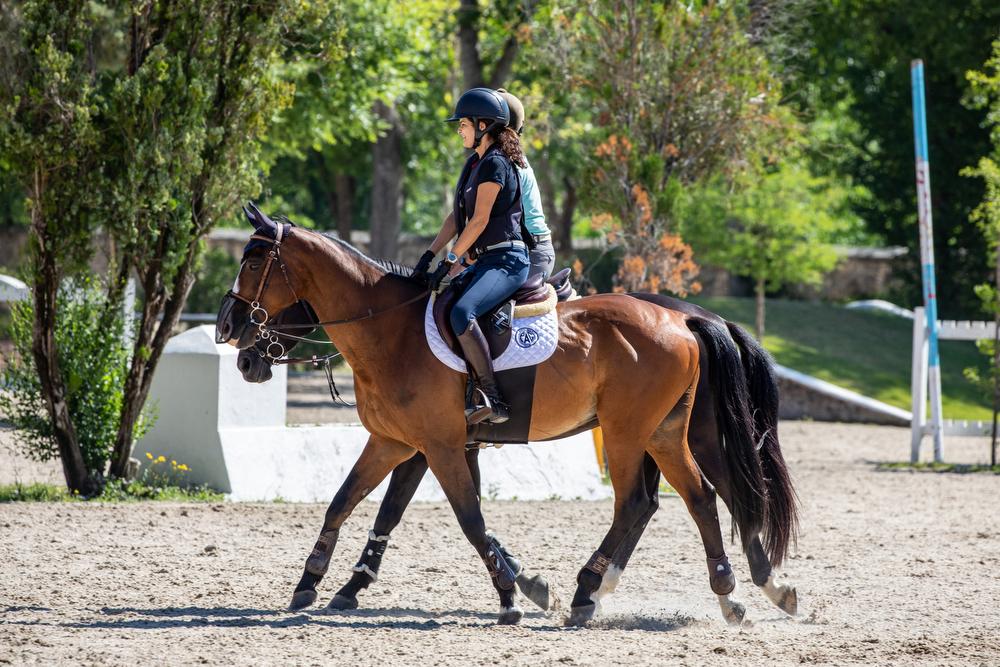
(261, 222)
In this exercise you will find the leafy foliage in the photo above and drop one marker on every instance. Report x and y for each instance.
(680, 96)
(855, 54)
(95, 350)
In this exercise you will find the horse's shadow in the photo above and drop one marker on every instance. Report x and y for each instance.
(139, 618)
(224, 617)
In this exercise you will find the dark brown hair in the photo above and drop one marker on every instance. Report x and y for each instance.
(510, 145)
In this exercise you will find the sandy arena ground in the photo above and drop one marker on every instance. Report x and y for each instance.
(891, 568)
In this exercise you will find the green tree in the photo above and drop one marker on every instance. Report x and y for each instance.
(777, 231)
(985, 94)
(857, 53)
(145, 117)
(50, 144)
(679, 96)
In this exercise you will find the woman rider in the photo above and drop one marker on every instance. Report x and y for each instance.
(541, 255)
(487, 219)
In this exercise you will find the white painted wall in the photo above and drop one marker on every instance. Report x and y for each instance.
(233, 436)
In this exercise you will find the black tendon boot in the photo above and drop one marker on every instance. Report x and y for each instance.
(487, 404)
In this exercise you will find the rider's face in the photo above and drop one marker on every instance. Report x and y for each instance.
(467, 133)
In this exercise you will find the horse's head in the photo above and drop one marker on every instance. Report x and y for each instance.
(254, 362)
(262, 286)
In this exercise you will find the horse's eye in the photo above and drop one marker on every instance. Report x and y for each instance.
(254, 266)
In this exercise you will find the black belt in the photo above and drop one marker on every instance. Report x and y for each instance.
(542, 238)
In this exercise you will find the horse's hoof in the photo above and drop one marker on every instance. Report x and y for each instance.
(784, 597)
(581, 615)
(510, 616)
(301, 600)
(734, 612)
(789, 602)
(536, 589)
(342, 602)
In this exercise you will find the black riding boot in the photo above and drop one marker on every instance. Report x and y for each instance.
(487, 404)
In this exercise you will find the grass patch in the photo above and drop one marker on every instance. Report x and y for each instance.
(930, 466)
(115, 491)
(866, 352)
(42, 493)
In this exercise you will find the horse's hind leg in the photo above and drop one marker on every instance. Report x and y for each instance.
(378, 458)
(402, 485)
(705, 444)
(632, 506)
(651, 490)
(671, 451)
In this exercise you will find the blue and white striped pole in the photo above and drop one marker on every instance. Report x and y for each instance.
(936, 425)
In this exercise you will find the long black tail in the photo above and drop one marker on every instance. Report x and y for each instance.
(781, 518)
(736, 427)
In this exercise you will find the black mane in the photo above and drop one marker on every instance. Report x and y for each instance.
(386, 265)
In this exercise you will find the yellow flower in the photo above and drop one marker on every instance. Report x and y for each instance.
(182, 467)
(149, 456)
(173, 463)
(161, 458)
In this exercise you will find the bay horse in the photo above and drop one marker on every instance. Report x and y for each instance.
(703, 437)
(623, 363)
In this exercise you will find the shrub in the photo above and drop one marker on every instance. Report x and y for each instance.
(95, 351)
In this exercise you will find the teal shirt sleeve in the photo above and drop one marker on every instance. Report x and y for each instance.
(531, 202)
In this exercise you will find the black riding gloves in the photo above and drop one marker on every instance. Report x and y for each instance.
(434, 282)
(420, 270)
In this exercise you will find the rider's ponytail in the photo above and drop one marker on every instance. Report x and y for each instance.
(509, 144)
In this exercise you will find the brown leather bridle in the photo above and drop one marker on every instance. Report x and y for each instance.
(269, 333)
(273, 256)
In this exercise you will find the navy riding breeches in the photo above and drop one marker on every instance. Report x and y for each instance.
(494, 277)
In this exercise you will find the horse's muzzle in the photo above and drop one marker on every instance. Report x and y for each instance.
(253, 366)
(232, 321)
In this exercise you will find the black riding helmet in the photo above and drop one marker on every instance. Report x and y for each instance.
(482, 104)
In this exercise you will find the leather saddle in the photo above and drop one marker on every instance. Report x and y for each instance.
(496, 324)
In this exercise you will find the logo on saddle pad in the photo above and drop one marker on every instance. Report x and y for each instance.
(533, 340)
(526, 337)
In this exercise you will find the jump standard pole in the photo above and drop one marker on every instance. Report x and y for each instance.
(929, 354)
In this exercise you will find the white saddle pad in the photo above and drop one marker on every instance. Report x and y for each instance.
(532, 341)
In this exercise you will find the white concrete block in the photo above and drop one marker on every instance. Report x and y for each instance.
(12, 289)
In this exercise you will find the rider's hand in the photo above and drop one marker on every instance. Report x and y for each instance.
(434, 281)
(420, 270)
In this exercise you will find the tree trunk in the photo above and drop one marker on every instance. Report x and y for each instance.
(344, 186)
(46, 355)
(149, 343)
(996, 361)
(387, 185)
(759, 291)
(564, 229)
(468, 44)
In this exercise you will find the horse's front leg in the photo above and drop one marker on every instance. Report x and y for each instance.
(456, 479)
(379, 457)
(402, 486)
